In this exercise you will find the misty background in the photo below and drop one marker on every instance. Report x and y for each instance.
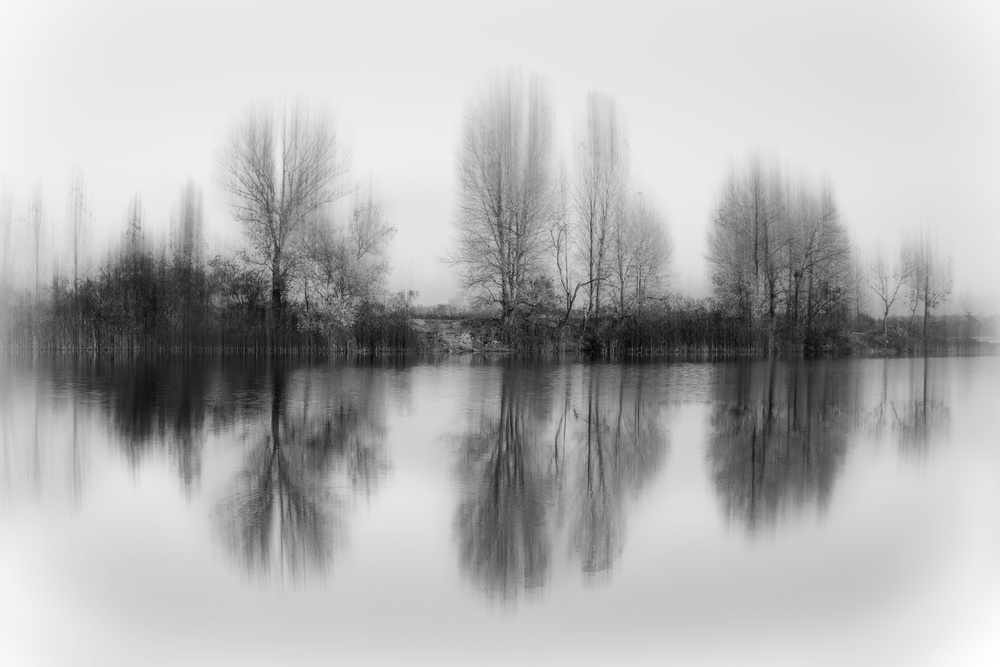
(895, 103)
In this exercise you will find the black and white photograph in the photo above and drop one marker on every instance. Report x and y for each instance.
(374, 332)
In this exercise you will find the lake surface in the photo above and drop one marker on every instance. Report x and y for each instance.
(500, 512)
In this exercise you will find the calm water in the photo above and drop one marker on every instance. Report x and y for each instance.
(826, 512)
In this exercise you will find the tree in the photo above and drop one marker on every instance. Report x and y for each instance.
(280, 174)
(79, 225)
(187, 228)
(368, 234)
(640, 256)
(745, 244)
(819, 262)
(37, 214)
(886, 280)
(506, 198)
(913, 285)
(562, 237)
(346, 266)
(601, 192)
(777, 241)
(933, 278)
(188, 289)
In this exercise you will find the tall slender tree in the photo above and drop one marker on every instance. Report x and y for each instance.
(506, 194)
(601, 193)
(934, 278)
(746, 244)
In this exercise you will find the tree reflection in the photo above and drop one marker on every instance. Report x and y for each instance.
(619, 447)
(912, 405)
(521, 491)
(158, 405)
(780, 439)
(505, 541)
(44, 439)
(924, 415)
(284, 513)
(314, 439)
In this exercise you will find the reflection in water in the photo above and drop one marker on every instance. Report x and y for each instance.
(924, 416)
(314, 441)
(44, 439)
(619, 447)
(781, 437)
(550, 463)
(606, 444)
(156, 405)
(912, 403)
(782, 430)
(284, 512)
(503, 523)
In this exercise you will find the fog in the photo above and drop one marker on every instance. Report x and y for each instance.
(894, 104)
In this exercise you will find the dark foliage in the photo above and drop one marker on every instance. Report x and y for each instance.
(139, 301)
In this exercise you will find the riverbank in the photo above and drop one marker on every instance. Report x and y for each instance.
(695, 333)
(479, 335)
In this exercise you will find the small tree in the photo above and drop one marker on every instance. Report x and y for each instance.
(346, 266)
(886, 281)
(640, 256)
(935, 277)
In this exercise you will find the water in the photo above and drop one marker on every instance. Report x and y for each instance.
(252, 513)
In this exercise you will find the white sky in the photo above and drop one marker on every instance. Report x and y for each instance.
(897, 103)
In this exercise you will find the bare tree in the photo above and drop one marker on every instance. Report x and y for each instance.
(563, 238)
(886, 280)
(746, 243)
(860, 295)
(640, 256)
(819, 259)
(913, 287)
(79, 217)
(934, 279)
(776, 241)
(368, 234)
(37, 215)
(601, 192)
(187, 229)
(189, 287)
(505, 190)
(347, 265)
(281, 173)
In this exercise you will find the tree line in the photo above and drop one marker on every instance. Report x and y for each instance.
(303, 280)
(554, 250)
(569, 241)
(534, 236)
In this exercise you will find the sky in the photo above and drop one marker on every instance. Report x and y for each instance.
(896, 104)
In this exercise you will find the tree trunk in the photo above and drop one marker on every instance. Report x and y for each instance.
(927, 311)
(277, 305)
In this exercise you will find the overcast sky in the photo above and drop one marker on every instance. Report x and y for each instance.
(896, 103)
